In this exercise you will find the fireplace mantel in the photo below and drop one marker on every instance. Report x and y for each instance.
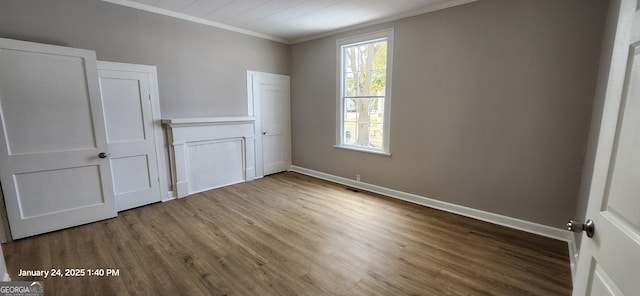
(210, 152)
(190, 121)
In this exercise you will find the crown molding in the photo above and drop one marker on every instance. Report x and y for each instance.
(194, 19)
(182, 16)
(427, 9)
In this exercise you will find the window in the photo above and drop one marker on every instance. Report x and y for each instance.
(364, 89)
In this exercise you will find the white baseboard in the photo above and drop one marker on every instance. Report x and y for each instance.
(171, 195)
(249, 174)
(181, 188)
(531, 227)
(573, 255)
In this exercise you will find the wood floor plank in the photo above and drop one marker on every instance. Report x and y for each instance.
(290, 234)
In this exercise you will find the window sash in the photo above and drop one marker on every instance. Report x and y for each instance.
(355, 73)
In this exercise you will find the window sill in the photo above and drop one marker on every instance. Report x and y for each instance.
(363, 150)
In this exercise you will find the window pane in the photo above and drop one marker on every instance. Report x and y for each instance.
(349, 133)
(364, 107)
(349, 84)
(378, 83)
(350, 113)
(364, 83)
(375, 135)
(377, 110)
(362, 134)
(349, 58)
(380, 56)
(362, 51)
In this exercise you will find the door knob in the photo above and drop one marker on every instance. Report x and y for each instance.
(577, 226)
(102, 155)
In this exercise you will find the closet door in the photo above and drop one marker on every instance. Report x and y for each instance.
(270, 94)
(54, 166)
(126, 95)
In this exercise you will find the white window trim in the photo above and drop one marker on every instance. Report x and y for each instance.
(388, 34)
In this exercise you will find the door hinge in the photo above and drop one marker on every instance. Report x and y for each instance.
(149, 97)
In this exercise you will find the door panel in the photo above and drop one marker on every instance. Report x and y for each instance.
(123, 109)
(52, 131)
(82, 190)
(36, 127)
(125, 183)
(601, 284)
(609, 263)
(128, 113)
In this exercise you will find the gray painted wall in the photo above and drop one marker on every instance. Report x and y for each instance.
(201, 70)
(491, 106)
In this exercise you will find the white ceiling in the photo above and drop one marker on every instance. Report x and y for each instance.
(289, 21)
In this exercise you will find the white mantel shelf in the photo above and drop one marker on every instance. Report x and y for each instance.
(208, 120)
(210, 152)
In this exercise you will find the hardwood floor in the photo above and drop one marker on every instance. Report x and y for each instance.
(290, 234)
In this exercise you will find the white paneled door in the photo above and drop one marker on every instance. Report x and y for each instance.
(609, 262)
(126, 97)
(52, 139)
(271, 96)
